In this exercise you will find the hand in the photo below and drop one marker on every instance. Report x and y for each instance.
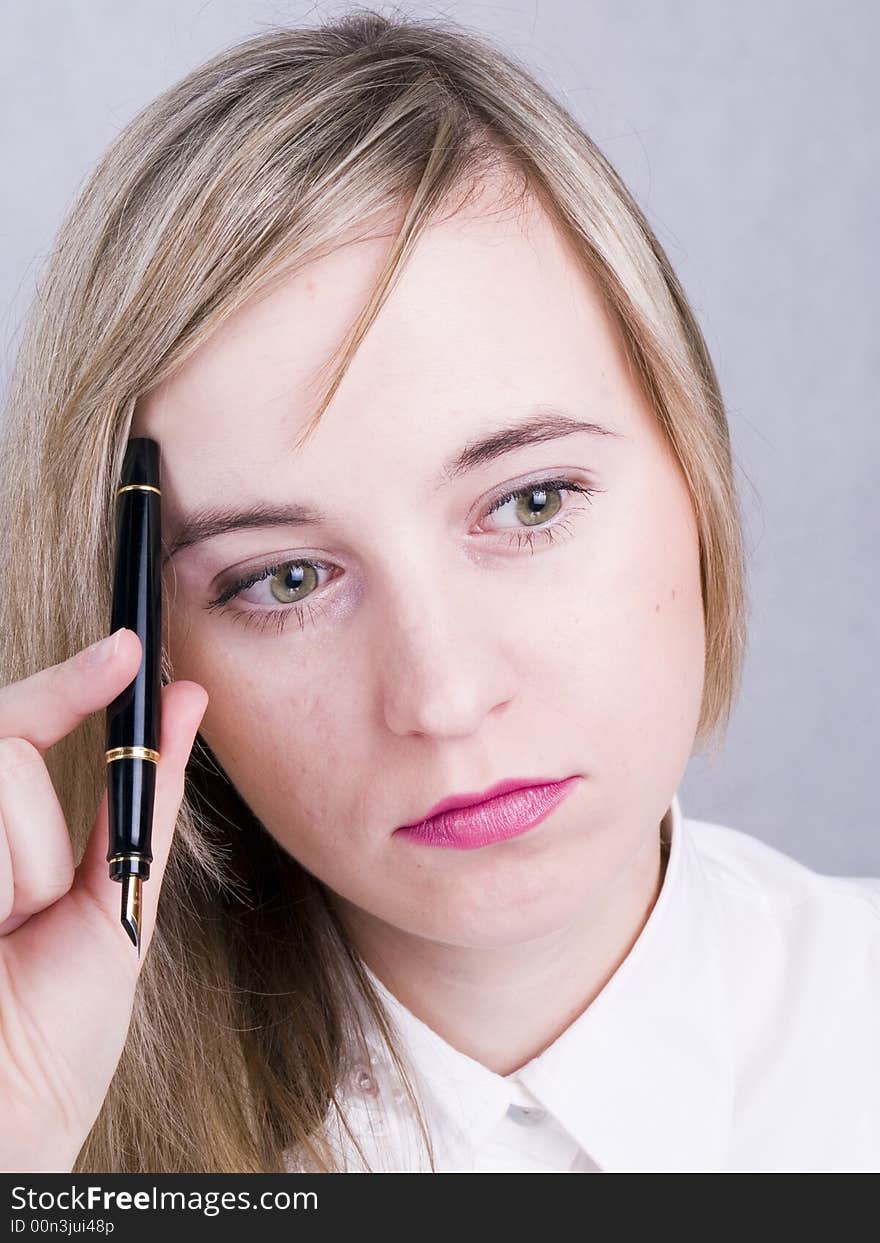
(68, 970)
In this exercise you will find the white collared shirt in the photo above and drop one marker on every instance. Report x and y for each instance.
(740, 1033)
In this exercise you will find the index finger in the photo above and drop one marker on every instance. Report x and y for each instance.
(49, 704)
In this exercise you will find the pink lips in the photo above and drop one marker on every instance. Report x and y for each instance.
(509, 809)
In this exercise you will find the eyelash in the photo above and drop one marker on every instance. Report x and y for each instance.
(262, 618)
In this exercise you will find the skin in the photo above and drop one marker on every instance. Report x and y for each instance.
(444, 657)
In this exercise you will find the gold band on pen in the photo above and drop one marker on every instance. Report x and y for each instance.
(116, 858)
(132, 753)
(138, 487)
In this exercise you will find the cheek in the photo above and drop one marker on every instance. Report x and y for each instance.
(627, 662)
(276, 753)
(272, 734)
(275, 728)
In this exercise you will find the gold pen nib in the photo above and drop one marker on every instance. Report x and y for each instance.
(131, 909)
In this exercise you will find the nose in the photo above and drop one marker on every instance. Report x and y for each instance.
(445, 664)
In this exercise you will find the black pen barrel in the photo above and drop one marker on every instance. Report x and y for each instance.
(133, 717)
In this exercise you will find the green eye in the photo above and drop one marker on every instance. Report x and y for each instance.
(298, 579)
(535, 504)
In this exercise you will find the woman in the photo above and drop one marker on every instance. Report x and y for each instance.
(495, 559)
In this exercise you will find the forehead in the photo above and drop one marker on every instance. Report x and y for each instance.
(492, 309)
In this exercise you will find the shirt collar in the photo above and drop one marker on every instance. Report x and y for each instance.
(642, 1079)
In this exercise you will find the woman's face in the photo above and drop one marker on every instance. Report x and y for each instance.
(430, 647)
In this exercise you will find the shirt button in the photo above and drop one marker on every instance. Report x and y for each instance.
(526, 1115)
(363, 1081)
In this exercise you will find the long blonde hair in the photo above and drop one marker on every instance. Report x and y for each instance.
(244, 1021)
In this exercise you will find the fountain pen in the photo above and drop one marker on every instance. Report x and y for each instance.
(133, 717)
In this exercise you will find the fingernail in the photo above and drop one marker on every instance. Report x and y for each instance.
(102, 650)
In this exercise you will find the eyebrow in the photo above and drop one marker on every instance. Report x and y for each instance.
(543, 424)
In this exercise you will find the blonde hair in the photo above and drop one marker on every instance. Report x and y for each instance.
(245, 1018)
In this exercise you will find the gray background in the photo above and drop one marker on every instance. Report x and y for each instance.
(748, 133)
